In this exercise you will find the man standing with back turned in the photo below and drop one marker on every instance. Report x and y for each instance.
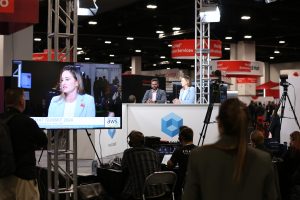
(155, 95)
(26, 137)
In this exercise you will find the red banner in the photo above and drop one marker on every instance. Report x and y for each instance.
(43, 56)
(234, 66)
(17, 15)
(7, 6)
(185, 49)
(246, 80)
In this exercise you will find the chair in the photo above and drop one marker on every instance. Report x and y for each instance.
(167, 179)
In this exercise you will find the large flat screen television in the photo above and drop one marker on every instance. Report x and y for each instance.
(95, 104)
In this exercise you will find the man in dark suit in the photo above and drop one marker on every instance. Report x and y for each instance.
(155, 95)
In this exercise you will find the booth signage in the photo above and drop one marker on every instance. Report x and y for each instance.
(185, 49)
(7, 6)
(246, 80)
(234, 66)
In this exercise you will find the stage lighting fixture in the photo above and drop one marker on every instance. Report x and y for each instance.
(210, 13)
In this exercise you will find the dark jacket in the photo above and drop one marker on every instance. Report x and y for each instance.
(210, 175)
(160, 96)
(26, 137)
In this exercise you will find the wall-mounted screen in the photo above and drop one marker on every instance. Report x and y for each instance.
(71, 95)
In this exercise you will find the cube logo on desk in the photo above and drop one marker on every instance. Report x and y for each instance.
(170, 124)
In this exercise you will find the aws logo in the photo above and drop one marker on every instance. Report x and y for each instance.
(170, 124)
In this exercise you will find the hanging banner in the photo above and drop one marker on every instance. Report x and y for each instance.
(17, 14)
(7, 6)
(246, 80)
(185, 49)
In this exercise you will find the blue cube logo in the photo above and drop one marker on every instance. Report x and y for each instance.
(170, 124)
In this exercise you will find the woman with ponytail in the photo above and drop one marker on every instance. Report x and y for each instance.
(229, 168)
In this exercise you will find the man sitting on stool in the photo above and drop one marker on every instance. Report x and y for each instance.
(137, 163)
(180, 156)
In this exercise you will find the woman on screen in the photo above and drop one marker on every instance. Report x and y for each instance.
(187, 92)
(72, 102)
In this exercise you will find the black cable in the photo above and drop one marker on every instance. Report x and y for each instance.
(89, 136)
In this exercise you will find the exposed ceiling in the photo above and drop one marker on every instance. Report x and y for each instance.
(118, 19)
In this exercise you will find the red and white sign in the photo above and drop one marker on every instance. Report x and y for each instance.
(234, 66)
(44, 56)
(7, 6)
(185, 49)
(246, 80)
(16, 15)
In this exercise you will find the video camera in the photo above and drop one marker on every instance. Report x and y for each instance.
(283, 81)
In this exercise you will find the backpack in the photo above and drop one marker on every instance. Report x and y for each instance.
(7, 160)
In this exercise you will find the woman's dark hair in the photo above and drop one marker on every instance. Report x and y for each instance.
(76, 73)
(295, 137)
(233, 121)
(188, 79)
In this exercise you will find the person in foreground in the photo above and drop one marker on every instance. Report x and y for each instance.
(72, 102)
(180, 156)
(290, 171)
(26, 137)
(229, 168)
(187, 92)
(137, 163)
(154, 95)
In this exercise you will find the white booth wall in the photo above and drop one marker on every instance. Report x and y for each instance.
(148, 119)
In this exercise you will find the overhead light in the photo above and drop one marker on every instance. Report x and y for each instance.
(210, 14)
(79, 48)
(281, 42)
(151, 6)
(270, 1)
(192, 66)
(80, 52)
(92, 23)
(111, 63)
(228, 38)
(248, 36)
(111, 55)
(107, 42)
(227, 48)
(245, 17)
(129, 38)
(159, 32)
(138, 51)
(272, 57)
(37, 39)
(163, 57)
(130, 67)
(169, 45)
(178, 62)
(177, 32)
(154, 65)
(176, 28)
(161, 35)
(168, 68)
(87, 58)
(277, 51)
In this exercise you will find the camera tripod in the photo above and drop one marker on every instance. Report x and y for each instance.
(206, 122)
(208, 113)
(282, 103)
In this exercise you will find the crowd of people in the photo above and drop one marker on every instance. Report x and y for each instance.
(231, 168)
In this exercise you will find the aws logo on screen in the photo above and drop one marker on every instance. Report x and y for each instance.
(170, 124)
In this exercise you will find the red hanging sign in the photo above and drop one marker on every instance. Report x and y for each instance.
(7, 6)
